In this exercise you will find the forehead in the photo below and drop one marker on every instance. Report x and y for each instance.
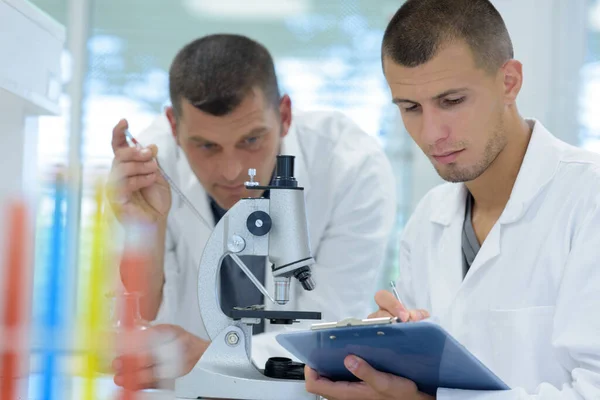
(453, 67)
(252, 112)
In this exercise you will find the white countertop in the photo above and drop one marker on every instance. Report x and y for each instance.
(73, 388)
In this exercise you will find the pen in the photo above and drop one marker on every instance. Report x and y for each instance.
(183, 197)
(396, 295)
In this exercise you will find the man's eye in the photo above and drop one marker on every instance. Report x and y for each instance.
(453, 102)
(206, 146)
(411, 108)
(251, 142)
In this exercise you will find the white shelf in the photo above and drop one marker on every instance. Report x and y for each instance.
(32, 43)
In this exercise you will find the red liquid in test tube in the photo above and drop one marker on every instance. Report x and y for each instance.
(14, 320)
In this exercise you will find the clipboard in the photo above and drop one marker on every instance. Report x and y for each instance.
(421, 351)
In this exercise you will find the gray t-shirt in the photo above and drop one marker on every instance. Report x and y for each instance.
(470, 244)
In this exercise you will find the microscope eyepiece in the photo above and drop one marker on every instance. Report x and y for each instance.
(304, 275)
(284, 172)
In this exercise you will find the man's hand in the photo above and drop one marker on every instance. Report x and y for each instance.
(137, 191)
(171, 352)
(375, 385)
(389, 306)
(136, 187)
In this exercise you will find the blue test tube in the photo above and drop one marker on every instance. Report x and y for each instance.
(53, 322)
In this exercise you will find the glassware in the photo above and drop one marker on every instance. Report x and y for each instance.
(130, 311)
(125, 330)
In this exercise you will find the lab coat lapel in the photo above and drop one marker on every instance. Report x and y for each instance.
(537, 169)
(490, 249)
(195, 232)
(446, 269)
(448, 265)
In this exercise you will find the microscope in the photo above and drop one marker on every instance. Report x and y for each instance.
(277, 228)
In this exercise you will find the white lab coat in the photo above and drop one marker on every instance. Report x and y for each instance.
(529, 308)
(350, 203)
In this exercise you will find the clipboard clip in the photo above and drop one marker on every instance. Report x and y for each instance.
(354, 322)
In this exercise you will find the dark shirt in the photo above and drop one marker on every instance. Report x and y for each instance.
(470, 244)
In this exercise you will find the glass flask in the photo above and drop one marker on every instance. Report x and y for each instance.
(126, 328)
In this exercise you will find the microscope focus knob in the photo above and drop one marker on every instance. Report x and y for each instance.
(259, 223)
(236, 244)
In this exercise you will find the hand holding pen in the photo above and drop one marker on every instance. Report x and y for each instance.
(122, 136)
(137, 190)
(390, 305)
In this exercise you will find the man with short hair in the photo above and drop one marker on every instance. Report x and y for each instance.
(228, 116)
(506, 254)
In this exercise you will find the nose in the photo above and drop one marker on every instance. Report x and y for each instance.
(433, 129)
(231, 168)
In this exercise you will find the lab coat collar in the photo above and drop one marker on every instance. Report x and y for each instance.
(447, 207)
(196, 194)
(539, 166)
(191, 228)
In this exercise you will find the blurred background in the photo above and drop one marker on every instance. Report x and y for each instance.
(327, 52)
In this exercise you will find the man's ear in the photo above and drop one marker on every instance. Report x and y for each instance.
(285, 113)
(170, 113)
(512, 72)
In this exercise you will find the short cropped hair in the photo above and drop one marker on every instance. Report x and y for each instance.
(420, 28)
(216, 72)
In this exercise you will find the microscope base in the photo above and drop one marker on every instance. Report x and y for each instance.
(226, 372)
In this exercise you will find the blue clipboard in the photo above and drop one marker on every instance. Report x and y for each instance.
(420, 351)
